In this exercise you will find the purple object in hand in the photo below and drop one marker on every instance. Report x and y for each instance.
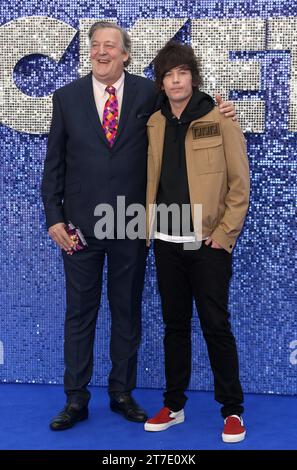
(77, 237)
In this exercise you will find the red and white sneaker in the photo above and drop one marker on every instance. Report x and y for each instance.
(234, 430)
(164, 419)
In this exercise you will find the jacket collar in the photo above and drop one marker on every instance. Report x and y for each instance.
(157, 125)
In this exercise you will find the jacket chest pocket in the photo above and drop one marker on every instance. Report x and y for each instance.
(208, 154)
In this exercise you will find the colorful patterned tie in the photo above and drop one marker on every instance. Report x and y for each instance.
(111, 116)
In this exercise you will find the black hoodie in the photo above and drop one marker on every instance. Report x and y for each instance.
(173, 185)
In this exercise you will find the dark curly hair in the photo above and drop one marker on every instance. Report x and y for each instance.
(175, 54)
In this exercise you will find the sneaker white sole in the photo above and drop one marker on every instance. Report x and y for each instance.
(164, 426)
(233, 437)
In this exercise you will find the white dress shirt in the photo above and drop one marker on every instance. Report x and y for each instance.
(101, 95)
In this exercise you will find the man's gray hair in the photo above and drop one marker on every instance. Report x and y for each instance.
(125, 38)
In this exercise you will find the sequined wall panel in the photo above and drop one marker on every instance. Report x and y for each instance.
(248, 53)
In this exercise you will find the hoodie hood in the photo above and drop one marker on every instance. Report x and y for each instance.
(200, 104)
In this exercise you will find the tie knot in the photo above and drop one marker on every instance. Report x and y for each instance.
(111, 90)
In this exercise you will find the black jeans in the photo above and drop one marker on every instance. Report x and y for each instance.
(205, 275)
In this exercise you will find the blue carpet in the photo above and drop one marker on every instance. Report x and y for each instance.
(27, 409)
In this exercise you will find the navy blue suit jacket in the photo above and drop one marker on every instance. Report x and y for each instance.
(81, 170)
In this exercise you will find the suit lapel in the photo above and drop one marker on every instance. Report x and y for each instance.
(90, 107)
(128, 98)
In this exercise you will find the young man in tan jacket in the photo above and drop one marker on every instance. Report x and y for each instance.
(197, 158)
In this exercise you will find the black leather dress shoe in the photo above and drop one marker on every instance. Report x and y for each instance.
(68, 417)
(124, 403)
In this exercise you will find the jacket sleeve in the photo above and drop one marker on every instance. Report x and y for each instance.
(238, 180)
(52, 187)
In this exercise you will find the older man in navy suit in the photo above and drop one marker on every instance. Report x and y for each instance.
(97, 150)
